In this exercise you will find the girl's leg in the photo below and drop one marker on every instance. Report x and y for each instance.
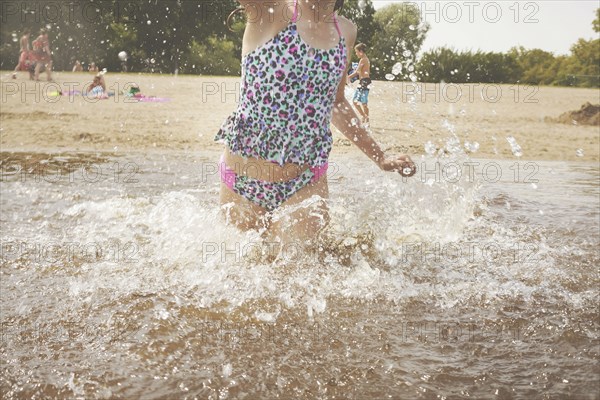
(302, 225)
(240, 212)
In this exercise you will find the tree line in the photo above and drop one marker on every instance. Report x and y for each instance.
(191, 37)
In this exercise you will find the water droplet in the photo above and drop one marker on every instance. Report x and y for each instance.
(411, 27)
(407, 53)
(390, 77)
(413, 77)
(430, 148)
(472, 147)
(397, 69)
(514, 146)
(579, 152)
(227, 369)
(149, 22)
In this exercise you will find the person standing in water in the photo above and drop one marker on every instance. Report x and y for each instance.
(24, 55)
(363, 72)
(278, 140)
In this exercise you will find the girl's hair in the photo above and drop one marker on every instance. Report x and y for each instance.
(338, 6)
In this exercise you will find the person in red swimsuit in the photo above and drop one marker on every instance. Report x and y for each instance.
(43, 55)
(25, 60)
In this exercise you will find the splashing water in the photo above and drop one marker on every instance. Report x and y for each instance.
(472, 147)
(514, 146)
(140, 286)
(430, 148)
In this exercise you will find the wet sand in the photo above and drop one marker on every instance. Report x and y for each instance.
(33, 120)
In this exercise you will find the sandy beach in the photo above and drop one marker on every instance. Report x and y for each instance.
(402, 120)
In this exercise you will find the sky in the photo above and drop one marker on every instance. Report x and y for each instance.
(551, 25)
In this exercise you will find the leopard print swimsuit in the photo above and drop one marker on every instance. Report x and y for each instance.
(288, 90)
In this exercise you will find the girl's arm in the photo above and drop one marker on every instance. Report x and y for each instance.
(342, 117)
(343, 113)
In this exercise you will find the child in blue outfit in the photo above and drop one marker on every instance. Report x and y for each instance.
(362, 72)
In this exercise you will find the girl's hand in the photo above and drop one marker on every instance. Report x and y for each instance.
(401, 164)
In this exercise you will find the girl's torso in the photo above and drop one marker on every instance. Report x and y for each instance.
(287, 94)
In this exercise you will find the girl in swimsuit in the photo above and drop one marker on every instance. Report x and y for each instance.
(278, 139)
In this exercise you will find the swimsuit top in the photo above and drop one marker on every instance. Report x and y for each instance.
(287, 93)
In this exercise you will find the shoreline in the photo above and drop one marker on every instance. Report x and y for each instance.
(198, 105)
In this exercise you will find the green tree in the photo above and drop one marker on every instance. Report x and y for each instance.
(596, 23)
(399, 35)
(451, 66)
(582, 67)
(213, 56)
(538, 67)
(362, 13)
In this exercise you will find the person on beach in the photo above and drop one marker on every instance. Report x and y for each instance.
(363, 72)
(77, 67)
(25, 56)
(278, 140)
(97, 89)
(93, 68)
(42, 55)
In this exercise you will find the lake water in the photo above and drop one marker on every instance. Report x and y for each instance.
(474, 279)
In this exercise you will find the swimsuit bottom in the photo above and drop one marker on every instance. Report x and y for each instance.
(361, 95)
(268, 195)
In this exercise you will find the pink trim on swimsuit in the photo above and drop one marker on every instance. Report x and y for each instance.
(227, 174)
(319, 172)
